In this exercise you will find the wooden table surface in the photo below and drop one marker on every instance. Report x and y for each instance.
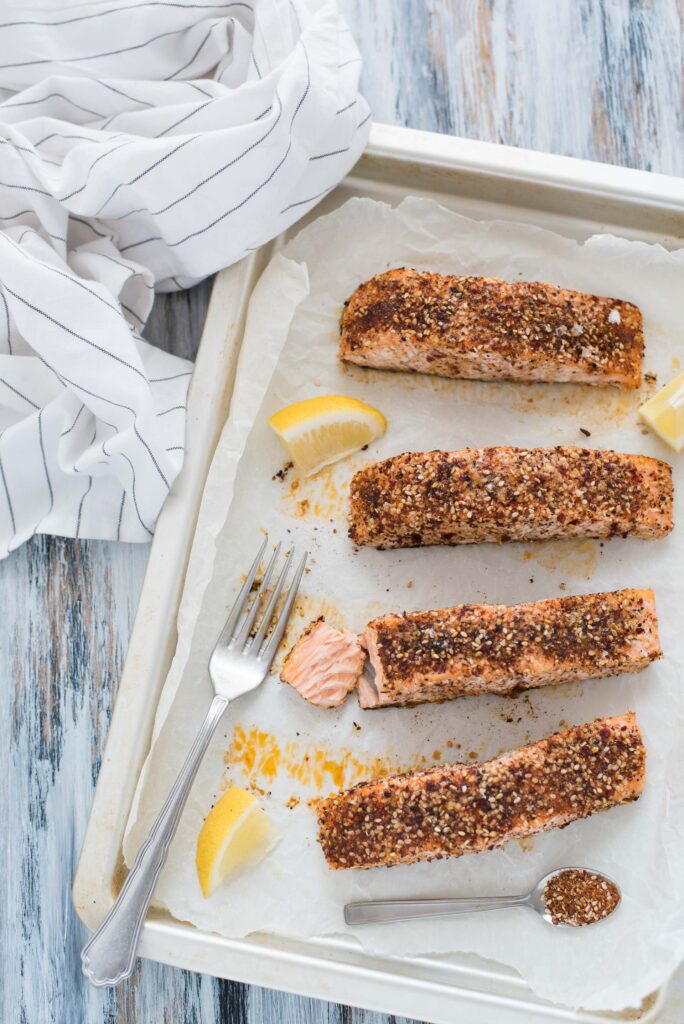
(599, 79)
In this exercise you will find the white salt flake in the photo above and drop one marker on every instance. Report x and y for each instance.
(614, 316)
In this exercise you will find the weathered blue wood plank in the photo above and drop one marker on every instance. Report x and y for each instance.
(598, 79)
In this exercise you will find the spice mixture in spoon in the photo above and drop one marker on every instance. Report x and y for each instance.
(577, 897)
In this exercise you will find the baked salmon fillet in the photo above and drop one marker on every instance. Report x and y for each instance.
(454, 809)
(429, 656)
(509, 494)
(486, 329)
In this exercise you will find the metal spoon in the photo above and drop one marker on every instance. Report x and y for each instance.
(384, 911)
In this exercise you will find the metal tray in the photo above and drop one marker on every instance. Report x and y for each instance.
(573, 197)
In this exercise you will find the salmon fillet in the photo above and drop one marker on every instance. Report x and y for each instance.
(454, 809)
(324, 665)
(455, 652)
(486, 329)
(509, 494)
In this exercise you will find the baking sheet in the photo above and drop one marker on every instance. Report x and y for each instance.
(293, 752)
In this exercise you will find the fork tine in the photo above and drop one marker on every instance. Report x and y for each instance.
(240, 600)
(246, 627)
(270, 607)
(270, 646)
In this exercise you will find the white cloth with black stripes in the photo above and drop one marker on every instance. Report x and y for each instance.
(143, 146)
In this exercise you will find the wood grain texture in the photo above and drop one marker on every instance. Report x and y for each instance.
(599, 79)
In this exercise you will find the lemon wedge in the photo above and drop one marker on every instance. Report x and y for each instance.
(319, 431)
(236, 833)
(664, 413)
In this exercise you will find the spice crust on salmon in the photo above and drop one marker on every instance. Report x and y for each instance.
(486, 329)
(420, 657)
(451, 810)
(509, 494)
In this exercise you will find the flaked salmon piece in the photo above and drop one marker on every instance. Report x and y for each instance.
(485, 329)
(429, 656)
(324, 665)
(454, 809)
(509, 494)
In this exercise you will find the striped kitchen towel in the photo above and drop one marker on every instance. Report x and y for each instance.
(144, 144)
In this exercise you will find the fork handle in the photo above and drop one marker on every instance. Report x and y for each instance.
(110, 955)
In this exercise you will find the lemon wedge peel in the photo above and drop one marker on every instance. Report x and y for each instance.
(664, 413)
(237, 833)
(319, 431)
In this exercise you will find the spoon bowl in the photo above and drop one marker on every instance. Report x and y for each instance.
(535, 899)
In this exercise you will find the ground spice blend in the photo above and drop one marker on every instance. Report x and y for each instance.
(578, 897)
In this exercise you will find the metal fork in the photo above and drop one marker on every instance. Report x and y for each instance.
(239, 662)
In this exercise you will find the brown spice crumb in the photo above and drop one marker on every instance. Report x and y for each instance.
(282, 473)
(292, 803)
(583, 430)
(577, 897)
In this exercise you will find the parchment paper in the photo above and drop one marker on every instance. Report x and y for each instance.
(292, 753)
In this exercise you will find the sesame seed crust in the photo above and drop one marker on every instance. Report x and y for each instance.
(439, 655)
(508, 494)
(452, 810)
(483, 328)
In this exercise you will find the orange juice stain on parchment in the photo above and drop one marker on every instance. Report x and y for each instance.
(323, 496)
(262, 757)
(576, 558)
(309, 608)
(589, 406)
